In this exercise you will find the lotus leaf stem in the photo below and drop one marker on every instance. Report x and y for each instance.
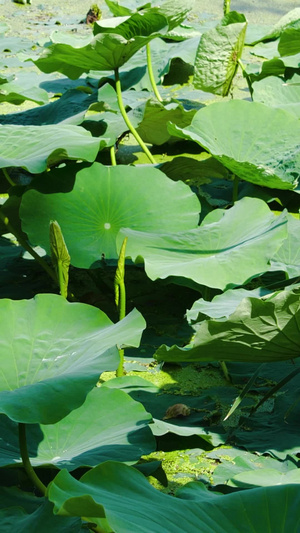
(6, 174)
(26, 461)
(151, 75)
(120, 298)
(113, 156)
(225, 371)
(235, 189)
(127, 120)
(226, 7)
(27, 246)
(241, 64)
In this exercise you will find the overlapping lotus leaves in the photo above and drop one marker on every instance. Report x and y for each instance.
(236, 462)
(37, 147)
(103, 200)
(52, 353)
(108, 50)
(124, 497)
(272, 67)
(109, 425)
(257, 143)
(173, 10)
(217, 57)
(226, 250)
(258, 331)
(157, 402)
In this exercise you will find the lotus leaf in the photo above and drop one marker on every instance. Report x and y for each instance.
(275, 92)
(153, 126)
(25, 512)
(52, 353)
(289, 43)
(258, 331)
(174, 11)
(257, 143)
(129, 503)
(157, 402)
(224, 251)
(289, 20)
(222, 305)
(109, 425)
(37, 147)
(108, 50)
(236, 462)
(22, 88)
(217, 57)
(103, 200)
(280, 417)
(265, 477)
(287, 257)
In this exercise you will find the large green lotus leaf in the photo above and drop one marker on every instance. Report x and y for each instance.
(52, 353)
(135, 25)
(275, 92)
(25, 512)
(155, 115)
(109, 425)
(37, 147)
(103, 200)
(287, 257)
(258, 331)
(130, 503)
(172, 10)
(265, 509)
(234, 132)
(217, 57)
(108, 50)
(226, 250)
